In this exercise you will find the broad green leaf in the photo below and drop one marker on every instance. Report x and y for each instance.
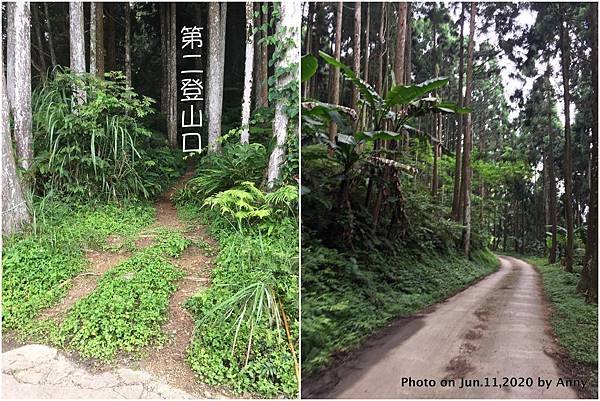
(309, 67)
(374, 135)
(401, 94)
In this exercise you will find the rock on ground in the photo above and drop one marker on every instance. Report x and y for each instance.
(38, 371)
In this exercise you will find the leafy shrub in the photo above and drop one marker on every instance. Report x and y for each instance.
(347, 297)
(242, 340)
(97, 148)
(246, 204)
(221, 171)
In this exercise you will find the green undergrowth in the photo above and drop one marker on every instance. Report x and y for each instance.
(241, 340)
(37, 265)
(127, 308)
(574, 321)
(346, 298)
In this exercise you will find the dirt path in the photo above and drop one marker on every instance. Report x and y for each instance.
(496, 328)
(167, 362)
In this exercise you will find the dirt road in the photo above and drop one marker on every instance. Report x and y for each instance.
(497, 328)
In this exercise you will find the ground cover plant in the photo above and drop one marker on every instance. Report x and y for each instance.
(247, 321)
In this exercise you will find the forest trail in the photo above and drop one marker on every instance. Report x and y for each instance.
(165, 364)
(495, 328)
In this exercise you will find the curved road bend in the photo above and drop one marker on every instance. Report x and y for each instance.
(495, 328)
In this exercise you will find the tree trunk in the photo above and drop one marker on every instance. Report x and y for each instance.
(380, 66)
(551, 184)
(248, 73)
(22, 83)
(50, 36)
(588, 282)
(436, 117)
(466, 171)
(10, 53)
(290, 15)
(14, 208)
(566, 62)
(308, 44)
(367, 44)
(100, 51)
(456, 200)
(264, 70)
(335, 71)
(93, 40)
(128, 43)
(172, 76)
(356, 50)
(164, 58)
(400, 44)
(408, 55)
(38, 36)
(215, 76)
(77, 45)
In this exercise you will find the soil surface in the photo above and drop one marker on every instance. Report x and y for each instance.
(494, 329)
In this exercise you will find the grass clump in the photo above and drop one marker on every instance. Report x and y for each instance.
(247, 330)
(575, 322)
(347, 297)
(37, 266)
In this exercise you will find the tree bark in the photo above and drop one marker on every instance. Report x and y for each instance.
(436, 117)
(77, 45)
(335, 71)
(380, 66)
(356, 50)
(400, 44)
(93, 41)
(10, 53)
(456, 200)
(552, 191)
(99, 20)
(215, 76)
(38, 36)
(408, 55)
(566, 62)
(22, 83)
(264, 69)
(466, 171)
(248, 73)
(164, 58)
(172, 76)
(14, 209)
(588, 283)
(290, 15)
(308, 44)
(50, 36)
(128, 43)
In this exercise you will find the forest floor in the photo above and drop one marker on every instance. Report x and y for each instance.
(165, 363)
(494, 329)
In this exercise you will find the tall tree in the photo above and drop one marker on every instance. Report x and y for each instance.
(14, 208)
(356, 50)
(172, 76)
(164, 10)
(466, 165)
(381, 49)
(248, 73)
(216, 64)
(290, 15)
(400, 43)
(21, 105)
(77, 44)
(50, 35)
(100, 51)
(456, 200)
(264, 58)
(566, 63)
(334, 93)
(128, 43)
(588, 282)
(10, 52)
(93, 40)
